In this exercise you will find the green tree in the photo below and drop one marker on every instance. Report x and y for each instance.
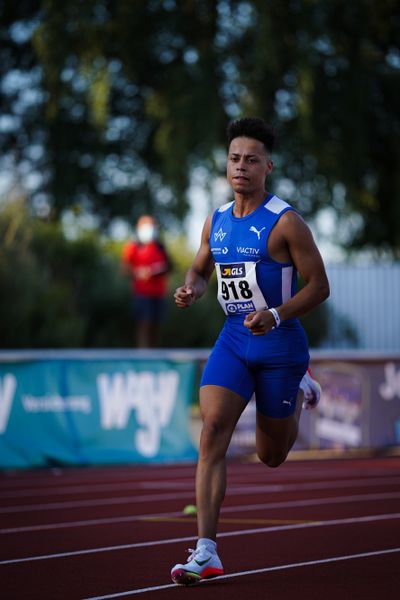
(57, 292)
(330, 72)
(110, 105)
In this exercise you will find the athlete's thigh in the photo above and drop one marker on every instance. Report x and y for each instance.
(226, 386)
(220, 411)
(276, 435)
(276, 389)
(221, 405)
(227, 368)
(278, 407)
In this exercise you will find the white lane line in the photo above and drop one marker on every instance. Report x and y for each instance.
(308, 563)
(66, 489)
(319, 485)
(348, 521)
(90, 503)
(232, 491)
(56, 475)
(68, 476)
(227, 509)
(93, 488)
(313, 502)
(54, 481)
(88, 522)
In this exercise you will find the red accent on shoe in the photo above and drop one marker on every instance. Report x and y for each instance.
(211, 572)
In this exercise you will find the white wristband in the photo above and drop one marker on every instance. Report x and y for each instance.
(275, 314)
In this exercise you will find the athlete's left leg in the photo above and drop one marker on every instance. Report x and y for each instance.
(275, 437)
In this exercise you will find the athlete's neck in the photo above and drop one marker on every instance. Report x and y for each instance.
(244, 205)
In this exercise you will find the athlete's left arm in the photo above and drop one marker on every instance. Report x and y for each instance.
(308, 261)
(294, 242)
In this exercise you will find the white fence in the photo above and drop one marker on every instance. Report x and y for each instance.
(364, 301)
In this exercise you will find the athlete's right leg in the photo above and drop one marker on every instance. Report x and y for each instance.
(220, 411)
(226, 387)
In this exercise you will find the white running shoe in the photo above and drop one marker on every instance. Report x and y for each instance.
(201, 564)
(312, 391)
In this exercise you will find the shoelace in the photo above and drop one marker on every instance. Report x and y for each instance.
(195, 552)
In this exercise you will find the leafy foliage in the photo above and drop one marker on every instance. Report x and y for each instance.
(57, 292)
(111, 104)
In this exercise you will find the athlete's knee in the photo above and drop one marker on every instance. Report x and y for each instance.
(210, 430)
(272, 458)
(212, 438)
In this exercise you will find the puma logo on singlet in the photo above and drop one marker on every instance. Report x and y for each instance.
(254, 230)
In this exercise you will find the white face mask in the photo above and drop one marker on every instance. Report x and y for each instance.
(146, 233)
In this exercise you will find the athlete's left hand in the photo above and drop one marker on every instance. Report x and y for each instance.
(259, 322)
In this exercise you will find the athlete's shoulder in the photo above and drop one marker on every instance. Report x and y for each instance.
(218, 213)
(224, 207)
(292, 225)
(288, 219)
(277, 205)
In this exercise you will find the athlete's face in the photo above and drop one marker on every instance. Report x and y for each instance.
(248, 165)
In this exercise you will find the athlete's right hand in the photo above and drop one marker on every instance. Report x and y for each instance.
(184, 296)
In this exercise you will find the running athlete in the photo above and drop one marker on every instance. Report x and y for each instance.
(257, 243)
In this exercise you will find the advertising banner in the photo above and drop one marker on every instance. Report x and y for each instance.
(95, 411)
(113, 408)
(359, 406)
(342, 417)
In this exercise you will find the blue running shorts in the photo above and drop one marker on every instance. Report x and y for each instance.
(271, 366)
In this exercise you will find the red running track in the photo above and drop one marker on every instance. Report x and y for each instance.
(314, 529)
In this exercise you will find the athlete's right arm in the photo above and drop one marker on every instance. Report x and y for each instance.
(197, 277)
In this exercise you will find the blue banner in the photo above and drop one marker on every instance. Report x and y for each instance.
(77, 412)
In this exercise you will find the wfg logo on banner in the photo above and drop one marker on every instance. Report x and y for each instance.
(151, 395)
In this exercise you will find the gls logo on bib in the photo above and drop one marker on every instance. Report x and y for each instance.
(236, 270)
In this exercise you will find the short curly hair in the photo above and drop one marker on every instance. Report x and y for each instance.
(252, 127)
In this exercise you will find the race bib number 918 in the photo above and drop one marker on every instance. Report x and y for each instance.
(238, 290)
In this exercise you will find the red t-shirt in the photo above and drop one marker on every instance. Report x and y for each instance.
(153, 256)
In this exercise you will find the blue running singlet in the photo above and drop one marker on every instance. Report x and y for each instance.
(271, 365)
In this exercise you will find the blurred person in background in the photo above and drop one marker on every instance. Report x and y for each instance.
(147, 263)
